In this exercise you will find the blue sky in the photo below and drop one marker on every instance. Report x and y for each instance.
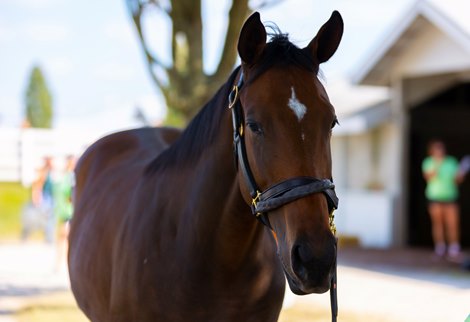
(95, 68)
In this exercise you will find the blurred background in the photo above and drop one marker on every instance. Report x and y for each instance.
(71, 72)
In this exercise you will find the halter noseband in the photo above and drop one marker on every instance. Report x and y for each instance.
(283, 192)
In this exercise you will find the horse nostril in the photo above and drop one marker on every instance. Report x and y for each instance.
(300, 259)
(304, 253)
(309, 263)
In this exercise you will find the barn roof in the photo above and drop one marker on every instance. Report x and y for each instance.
(359, 108)
(447, 18)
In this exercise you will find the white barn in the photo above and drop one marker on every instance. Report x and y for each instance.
(421, 74)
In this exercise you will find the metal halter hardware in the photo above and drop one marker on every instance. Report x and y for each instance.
(283, 192)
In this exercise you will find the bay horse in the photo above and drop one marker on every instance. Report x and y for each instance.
(163, 227)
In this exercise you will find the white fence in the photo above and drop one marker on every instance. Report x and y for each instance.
(22, 150)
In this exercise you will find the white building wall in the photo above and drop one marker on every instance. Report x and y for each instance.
(339, 161)
(388, 171)
(367, 215)
(366, 160)
(359, 161)
(367, 177)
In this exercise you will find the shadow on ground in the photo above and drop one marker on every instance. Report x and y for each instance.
(415, 263)
(19, 291)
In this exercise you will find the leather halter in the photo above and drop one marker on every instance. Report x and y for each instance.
(280, 193)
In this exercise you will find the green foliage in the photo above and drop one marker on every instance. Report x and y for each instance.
(174, 118)
(13, 197)
(38, 101)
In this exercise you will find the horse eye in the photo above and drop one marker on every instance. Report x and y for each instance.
(255, 127)
(335, 122)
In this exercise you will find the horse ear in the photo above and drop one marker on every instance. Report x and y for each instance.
(252, 40)
(327, 40)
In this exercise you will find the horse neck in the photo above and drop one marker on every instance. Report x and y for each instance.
(221, 221)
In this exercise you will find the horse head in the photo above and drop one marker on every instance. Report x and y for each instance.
(284, 121)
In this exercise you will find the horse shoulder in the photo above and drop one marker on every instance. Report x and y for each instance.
(113, 149)
(103, 175)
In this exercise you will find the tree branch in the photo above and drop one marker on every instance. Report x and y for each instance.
(183, 83)
(187, 24)
(136, 7)
(237, 16)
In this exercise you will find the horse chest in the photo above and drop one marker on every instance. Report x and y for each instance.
(194, 303)
(176, 293)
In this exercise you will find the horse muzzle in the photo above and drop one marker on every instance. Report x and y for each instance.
(311, 269)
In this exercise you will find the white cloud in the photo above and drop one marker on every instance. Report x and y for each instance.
(6, 33)
(112, 112)
(44, 32)
(384, 12)
(11, 111)
(32, 4)
(153, 107)
(59, 66)
(114, 71)
(120, 32)
(117, 112)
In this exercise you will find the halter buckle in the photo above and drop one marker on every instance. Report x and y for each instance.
(233, 97)
(254, 201)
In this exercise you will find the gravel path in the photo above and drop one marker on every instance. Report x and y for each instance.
(27, 270)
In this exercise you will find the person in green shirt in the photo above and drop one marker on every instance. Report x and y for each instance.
(63, 193)
(442, 176)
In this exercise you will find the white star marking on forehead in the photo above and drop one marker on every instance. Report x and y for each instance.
(294, 104)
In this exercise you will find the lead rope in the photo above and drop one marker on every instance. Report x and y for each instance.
(333, 286)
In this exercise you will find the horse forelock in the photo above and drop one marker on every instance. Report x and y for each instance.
(281, 52)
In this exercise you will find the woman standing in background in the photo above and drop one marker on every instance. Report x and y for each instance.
(442, 175)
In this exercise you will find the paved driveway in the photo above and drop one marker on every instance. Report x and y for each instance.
(27, 270)
(399, 285)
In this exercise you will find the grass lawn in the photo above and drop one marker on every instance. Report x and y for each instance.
(13, 197)
(59, 307)
(306, 313)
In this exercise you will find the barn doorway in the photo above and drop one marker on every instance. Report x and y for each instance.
(445, 116)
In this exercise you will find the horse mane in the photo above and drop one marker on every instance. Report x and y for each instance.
(204, 127)
(200, 132)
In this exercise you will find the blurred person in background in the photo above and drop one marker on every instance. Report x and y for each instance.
(442, 176)
(63, 193)
(39, 213)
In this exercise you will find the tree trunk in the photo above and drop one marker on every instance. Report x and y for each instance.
(184, 84)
